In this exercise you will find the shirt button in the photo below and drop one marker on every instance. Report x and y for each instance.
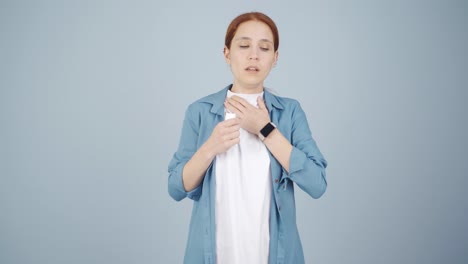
(276, 180)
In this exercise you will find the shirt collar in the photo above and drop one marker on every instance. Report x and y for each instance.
(217, 100)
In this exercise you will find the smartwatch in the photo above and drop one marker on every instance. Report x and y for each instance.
(266, 130)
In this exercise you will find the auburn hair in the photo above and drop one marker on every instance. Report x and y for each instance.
(255, 16)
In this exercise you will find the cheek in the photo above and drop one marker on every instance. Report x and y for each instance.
(269, 64)
(234, 58)
(269, 59)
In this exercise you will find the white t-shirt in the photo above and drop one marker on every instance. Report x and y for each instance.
(243, 193)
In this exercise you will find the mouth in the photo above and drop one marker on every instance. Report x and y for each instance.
(252, 69)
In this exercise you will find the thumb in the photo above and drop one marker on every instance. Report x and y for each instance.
(261, 103)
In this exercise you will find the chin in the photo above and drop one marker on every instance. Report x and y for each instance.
(253, 81)
(254, 86)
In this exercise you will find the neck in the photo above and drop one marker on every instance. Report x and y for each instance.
(236, 88)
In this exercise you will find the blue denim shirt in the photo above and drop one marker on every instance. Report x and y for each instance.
(307, 170)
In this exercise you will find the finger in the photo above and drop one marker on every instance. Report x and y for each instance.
(233, 107)
(238, 102)
(233, 134)
(230, 141)
(261, 103)
(229, 107)
(233, 141)
(233, 129)
(228, 130)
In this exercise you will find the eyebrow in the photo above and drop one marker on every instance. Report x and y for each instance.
(247, 38)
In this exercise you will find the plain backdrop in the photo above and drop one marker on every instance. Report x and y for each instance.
(92, 98)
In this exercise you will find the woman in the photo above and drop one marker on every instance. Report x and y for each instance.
(240, 152)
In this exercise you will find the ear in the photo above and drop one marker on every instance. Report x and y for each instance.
(227, 55)
(276, 58)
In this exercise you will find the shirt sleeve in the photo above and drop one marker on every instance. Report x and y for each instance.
(307, 164)
(185, 151)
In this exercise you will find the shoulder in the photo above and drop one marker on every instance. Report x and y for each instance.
(288, 102)
(208, 101)
(205, 100)
(203, 108)
(284, 103)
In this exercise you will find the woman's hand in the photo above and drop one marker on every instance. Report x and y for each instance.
(225, 135)
(252, 119)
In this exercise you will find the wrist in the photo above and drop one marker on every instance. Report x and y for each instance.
(207, 151)
(266, 130)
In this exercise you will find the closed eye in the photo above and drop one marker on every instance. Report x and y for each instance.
(243, 46)
(265, 49)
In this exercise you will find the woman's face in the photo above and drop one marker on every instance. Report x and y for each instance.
(251, 56)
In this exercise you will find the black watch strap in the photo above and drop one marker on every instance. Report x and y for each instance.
(266, 130)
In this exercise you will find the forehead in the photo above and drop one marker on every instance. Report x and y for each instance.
(254, 30)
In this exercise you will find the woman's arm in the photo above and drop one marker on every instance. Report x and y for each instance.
(225, 135)
(254, 119)
(307, 164)
(279, 147)
(190, 162)
(301, 159)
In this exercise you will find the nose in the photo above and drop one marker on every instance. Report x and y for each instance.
(253, 54)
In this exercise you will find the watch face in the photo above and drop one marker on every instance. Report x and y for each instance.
(266, 130)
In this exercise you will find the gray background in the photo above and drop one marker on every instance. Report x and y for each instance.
(93, 95)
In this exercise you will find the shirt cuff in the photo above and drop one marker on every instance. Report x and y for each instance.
(176, 186)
